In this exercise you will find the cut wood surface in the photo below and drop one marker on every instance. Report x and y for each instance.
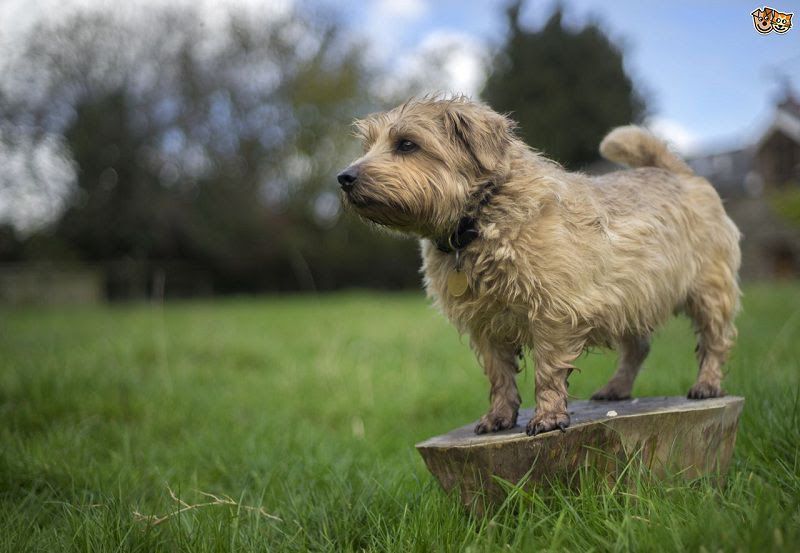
(672, 435)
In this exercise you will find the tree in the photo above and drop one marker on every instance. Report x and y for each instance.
(565, 88)
(211, 148)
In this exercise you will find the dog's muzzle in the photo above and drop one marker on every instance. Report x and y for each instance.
(347, 178)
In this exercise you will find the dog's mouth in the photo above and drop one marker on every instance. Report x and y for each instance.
(364, 205)
(377, 211)
(359, 201)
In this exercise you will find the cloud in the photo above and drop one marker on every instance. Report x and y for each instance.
(407, 10)
(18, 16)
(34, 180)
(444, 61)
(464, 59)
(387, 22)
(677, 135)
(35, 176)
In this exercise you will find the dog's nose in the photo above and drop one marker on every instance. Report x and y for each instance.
(348, 177)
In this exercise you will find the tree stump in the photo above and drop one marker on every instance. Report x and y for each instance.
(670, 435)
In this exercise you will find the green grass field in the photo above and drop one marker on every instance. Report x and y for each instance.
(304, 411)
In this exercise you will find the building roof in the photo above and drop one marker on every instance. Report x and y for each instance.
(732, 173)
(786, 121)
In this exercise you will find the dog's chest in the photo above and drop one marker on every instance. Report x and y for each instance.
(479, 309)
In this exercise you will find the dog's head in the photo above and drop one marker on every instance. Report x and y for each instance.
(422, 160)
(762, 20)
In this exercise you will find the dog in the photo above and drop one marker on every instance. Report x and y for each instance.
(522, 255)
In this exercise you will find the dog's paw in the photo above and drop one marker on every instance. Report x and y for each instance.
(545, 422)
(704, 390)
(493, 422)
(610, 393)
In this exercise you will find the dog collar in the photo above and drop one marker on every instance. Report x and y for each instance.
(466, 230)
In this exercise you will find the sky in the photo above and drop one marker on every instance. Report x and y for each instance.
(711, 80)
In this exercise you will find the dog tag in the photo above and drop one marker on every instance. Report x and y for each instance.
(457, 283)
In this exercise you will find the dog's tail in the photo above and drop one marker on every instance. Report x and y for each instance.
(635, 147)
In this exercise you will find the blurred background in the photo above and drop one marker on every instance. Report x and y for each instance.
(155, 150)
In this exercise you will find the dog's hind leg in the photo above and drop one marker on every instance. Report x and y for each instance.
(712, 305)
(500, 365)
(632, 352)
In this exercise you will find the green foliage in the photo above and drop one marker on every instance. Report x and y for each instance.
(115, 210)
(211, 154)
(786, 203)
(204, 151)
(309, 407)
(566, 88)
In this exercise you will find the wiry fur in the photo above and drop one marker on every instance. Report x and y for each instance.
(635, 147)
(564, 261)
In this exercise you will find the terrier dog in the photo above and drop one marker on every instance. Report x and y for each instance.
(521, 254)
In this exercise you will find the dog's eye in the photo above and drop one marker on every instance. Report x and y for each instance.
(406, 146)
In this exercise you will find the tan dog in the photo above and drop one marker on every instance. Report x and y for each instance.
(521, 254)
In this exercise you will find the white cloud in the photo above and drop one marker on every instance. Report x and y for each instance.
(677, 135)
(34, 181)
(385, 23)
(35, 177)
(407, 10)
(464, 59)
(18, 16)
(445, 61)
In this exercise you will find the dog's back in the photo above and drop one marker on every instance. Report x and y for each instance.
(660, 184)
(698, 242)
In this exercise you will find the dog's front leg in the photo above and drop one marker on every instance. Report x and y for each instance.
(500, 365)
(551, 395)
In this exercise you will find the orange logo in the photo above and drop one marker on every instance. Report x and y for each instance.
(766, 20)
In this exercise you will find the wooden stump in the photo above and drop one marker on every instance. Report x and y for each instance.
(672, 436)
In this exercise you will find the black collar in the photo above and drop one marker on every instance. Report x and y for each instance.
(466, 230)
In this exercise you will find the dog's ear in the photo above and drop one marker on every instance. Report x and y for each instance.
(364, 130)
(482, 132)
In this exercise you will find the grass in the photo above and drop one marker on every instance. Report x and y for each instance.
(299, 415)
